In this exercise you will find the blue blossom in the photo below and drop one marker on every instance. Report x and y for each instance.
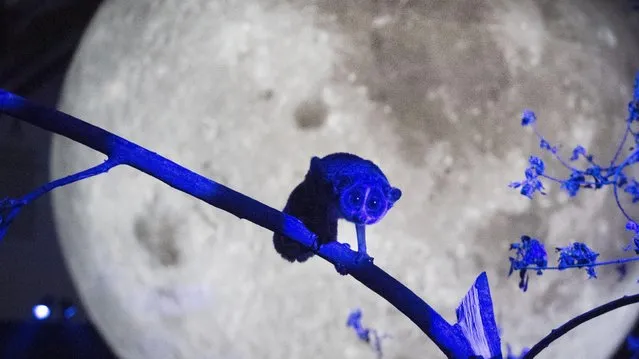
(529, 252)
(537, 164)
(633, 189)
(532, 183)
(633, 105)
(529, 187)
(594, 171)
(364, 334)
(633, 111)
(622, 180)
(355, 321)
(633, 227)
(578, 151)
(578, 255)
(528, 118)
(545, 145)
(573, 184)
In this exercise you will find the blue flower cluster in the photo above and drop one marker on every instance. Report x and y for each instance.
(595, 176)
(355, 321)
(634, 227)
(365, 334)
(530, 252)
(578, 255)
(532, 183)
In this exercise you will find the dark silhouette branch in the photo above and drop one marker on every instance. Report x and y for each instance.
(580, 319)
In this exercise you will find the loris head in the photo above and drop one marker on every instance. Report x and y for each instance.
(365, 199)
(361, 191)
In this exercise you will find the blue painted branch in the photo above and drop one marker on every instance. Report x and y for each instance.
(93, 171)
(449, 339)
(10, 208)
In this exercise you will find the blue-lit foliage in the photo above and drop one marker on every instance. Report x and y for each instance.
(529, 254)
(578, 255)
(367, 335)
(593, 175)
(532, 183)
(634, 228)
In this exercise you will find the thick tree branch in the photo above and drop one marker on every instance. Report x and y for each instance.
(448, 338)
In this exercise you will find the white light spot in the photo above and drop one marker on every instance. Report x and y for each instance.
(41, 312)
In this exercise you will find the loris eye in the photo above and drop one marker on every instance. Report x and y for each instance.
(355, 198)
(373, 203)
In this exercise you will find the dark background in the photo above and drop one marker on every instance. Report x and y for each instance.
(37, 41)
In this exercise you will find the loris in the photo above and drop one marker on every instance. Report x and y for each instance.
(340, 185)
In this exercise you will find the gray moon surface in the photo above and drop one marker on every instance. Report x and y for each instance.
(246, 92)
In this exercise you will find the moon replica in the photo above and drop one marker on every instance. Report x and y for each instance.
(247, 92)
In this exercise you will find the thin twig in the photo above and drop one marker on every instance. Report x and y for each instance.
(580, 319)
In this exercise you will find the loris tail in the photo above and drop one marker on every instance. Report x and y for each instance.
(340, 185)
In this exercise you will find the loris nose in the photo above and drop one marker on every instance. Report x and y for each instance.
(361, 217)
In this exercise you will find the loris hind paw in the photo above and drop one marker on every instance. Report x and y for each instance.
(291, 250)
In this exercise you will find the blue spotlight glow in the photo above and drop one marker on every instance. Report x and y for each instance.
(69, 312)
(41, 312)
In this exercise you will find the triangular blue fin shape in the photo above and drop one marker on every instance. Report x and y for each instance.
(476, 320)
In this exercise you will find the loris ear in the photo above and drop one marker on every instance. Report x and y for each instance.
(341, 182)
(393, 194)
(317, 169)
